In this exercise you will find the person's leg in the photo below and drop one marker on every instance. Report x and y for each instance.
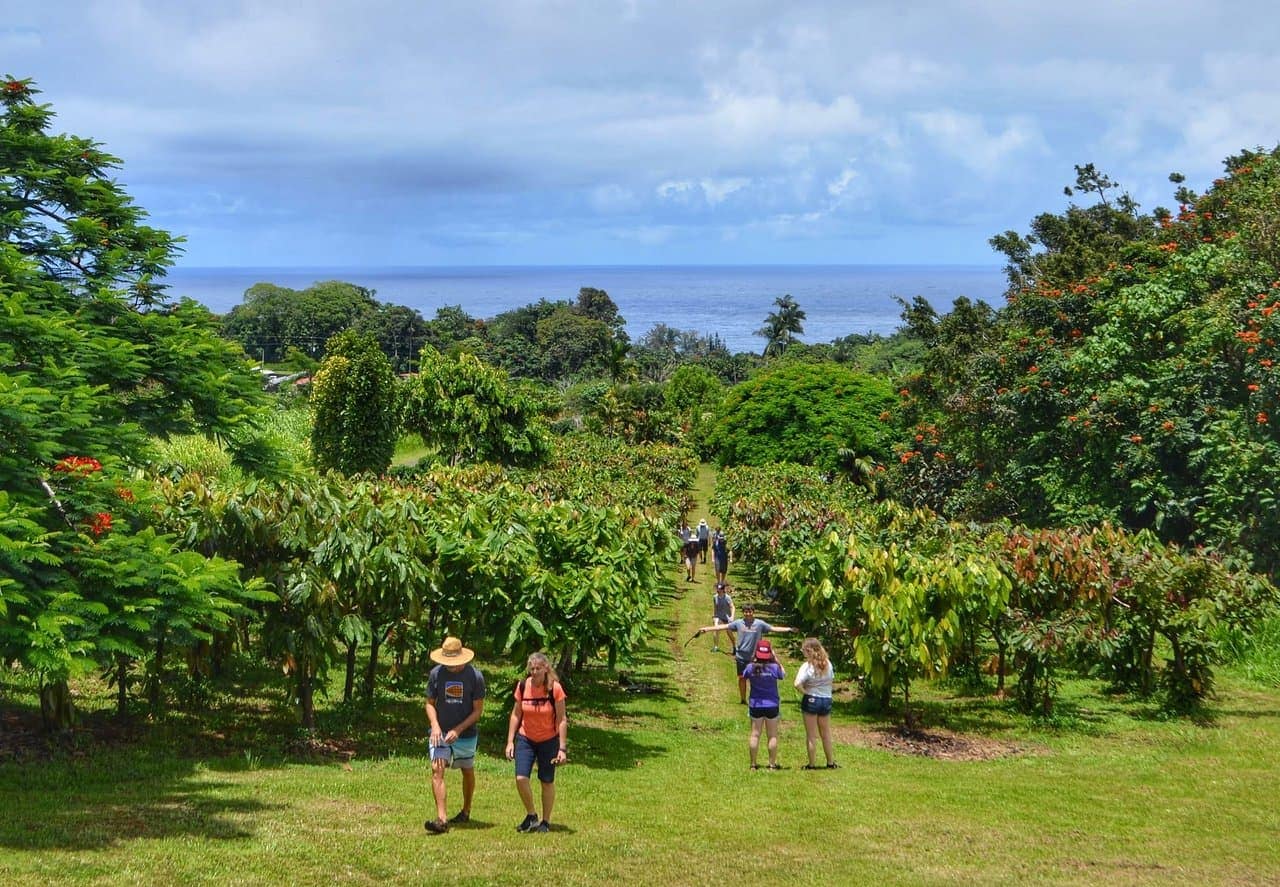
(548, 800)
(771, 727)
(824, 727)
(742, 688)
(438, 788)
(547, 777)
(753, 744)
(524, 767)
(811, 738)
(468, 788)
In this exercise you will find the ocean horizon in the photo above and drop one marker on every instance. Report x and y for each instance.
(730, 301)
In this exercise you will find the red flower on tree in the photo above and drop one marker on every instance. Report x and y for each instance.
(78, 465)
(99, 524)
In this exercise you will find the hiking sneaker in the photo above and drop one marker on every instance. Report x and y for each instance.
(436, 826)
(462, 816)
(528, 824)
(543, 826)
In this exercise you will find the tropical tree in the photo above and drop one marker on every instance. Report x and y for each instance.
(781, 327)
(356, 407)
(803, 413)
(94, 359)
(470, 412)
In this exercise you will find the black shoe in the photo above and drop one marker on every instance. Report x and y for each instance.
(812, 767)
(543, 826)
(775, 766)
(833, 766)
(461, 817)
(529, 823)
(436, 826)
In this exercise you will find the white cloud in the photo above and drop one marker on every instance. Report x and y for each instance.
(726, 120)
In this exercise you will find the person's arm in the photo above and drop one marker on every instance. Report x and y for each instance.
(562, 728)
(477, 708)
(707, 628)
(733, 611)
(802, 677)
(434, 720)
(513, 724)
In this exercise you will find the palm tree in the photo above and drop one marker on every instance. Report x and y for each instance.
(782, 327)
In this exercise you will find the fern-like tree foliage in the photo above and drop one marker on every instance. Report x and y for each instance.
(95, 358)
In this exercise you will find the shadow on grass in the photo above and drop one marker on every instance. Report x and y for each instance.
(86, 805)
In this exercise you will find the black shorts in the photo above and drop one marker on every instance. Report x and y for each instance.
(768, 712)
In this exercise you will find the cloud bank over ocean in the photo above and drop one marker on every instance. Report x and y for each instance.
(625, 131)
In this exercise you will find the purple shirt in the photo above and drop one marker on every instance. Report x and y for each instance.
(764, 684)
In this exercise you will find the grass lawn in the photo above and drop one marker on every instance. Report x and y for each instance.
(657, 791)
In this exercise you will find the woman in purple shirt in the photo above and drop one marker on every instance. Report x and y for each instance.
(764, 704)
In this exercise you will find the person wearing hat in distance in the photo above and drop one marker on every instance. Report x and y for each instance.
(455, 701)
(538, 730)
(763, 674)
(704, 536)
(749, 631)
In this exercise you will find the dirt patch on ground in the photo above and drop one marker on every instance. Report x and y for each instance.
(23, 738)
(933, 743)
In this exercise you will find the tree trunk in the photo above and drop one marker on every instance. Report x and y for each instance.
(56, 709)
(157, 675)
(349, 687)
(1148, 673)
(122, 686)
(306, 698)
(564, 667)
(371, 669)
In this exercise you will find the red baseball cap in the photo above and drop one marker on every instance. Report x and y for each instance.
(764, 650)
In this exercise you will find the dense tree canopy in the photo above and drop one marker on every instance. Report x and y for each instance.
(1140, 391)
(355, 405)
(95, 358)
(802, 413)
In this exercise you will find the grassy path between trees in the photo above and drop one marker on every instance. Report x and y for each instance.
(658, 792)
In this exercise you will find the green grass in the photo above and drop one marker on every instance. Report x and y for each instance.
(658, 791)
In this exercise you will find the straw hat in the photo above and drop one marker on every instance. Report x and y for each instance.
(452, 653)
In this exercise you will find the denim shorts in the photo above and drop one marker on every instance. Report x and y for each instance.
(815, 705)
(528, 751)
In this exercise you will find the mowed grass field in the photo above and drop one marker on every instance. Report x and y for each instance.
(658, 791)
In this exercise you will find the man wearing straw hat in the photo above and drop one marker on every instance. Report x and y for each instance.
(455, 700)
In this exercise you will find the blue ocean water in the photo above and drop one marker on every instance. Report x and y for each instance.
(731, 301)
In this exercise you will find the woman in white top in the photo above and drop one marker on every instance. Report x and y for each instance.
(814, 680)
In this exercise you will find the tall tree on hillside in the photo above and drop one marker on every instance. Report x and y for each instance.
(95, 358)
(782, 327)
(356, 408)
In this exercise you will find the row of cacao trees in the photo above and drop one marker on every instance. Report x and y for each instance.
(903, 594)
(179, 571)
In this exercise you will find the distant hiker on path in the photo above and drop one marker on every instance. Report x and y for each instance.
(720, 556)
(455, 701)
(704, 538)
(765, 709)
(538, 731)
(722, 611)
(690, 558)
(749, 631)
(814, 681)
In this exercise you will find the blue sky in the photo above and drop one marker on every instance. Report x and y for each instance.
(634, 132)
